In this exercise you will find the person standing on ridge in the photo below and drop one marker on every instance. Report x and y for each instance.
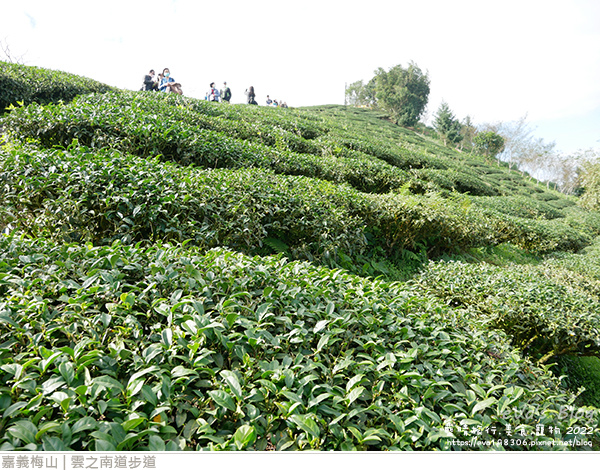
(251, 95)
(213, 94)
(226, 95)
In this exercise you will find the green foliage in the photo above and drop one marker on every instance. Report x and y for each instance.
(446, 125)
(542, 316)
(582, 372)
(459, 181)
(119, 348)
(520, 206)
(131, 320)
(590, 182)
(147, 125)
(104, 196)
(403, 92)
(26, 84)
(488, 143)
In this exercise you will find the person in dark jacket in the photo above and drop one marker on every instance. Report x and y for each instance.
(226, 94)
(149, 82)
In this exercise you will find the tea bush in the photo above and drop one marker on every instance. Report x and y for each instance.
(145, 126)
(134, 317)
(102, 196)
(520, 206)
(120, 348)
(205, 134)
(27, 84)
(105, 196)
(452, 180)
(543, 313)
(581, 372)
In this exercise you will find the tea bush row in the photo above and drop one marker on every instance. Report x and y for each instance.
(130, 128)
(211, 135)
(102, 196)
(520, 206)
(194, 132)
(122, 348)
(26, 84)
(545, 313)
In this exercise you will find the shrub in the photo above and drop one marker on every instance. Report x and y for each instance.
(26, 84)
(123, 348)
(581, 373)
(461, 181)
(519, 206)
(544, 317)
(144, 125)
(105, 196)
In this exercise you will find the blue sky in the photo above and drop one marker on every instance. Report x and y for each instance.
(492, 60)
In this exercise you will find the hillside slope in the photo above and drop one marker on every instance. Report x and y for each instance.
(178, 274)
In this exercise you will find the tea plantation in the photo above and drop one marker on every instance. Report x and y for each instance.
(183, 275)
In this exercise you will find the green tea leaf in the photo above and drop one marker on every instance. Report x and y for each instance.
(307, 424)
(322, 343)
(244, 436)
(132, 423)
(180, 371)
(67, 372)
(232, 380)
(482, 405)
(320, 325)
(13, 409)
(53, 444)
(109, 383)
(102, 445)
(156, 444)
(84, 424)
(23, 430)
(353, 381)
(354, 394)
(222, 398)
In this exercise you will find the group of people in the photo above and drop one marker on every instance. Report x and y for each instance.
(166, 83)
(225, 95)
(276, 103)
(218, 95)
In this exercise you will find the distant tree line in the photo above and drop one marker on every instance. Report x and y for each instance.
(403, 93)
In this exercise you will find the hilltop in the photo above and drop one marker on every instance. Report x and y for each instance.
(179, 274)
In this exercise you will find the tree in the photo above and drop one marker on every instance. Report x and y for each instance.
(361, 94)
(522, 148)
(403, 93)
(566, 170)
(468, 131)
(9, 56)
(446, 125)
(589, 180)
(488, 143)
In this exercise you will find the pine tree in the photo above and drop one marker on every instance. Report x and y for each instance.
(446, 125)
